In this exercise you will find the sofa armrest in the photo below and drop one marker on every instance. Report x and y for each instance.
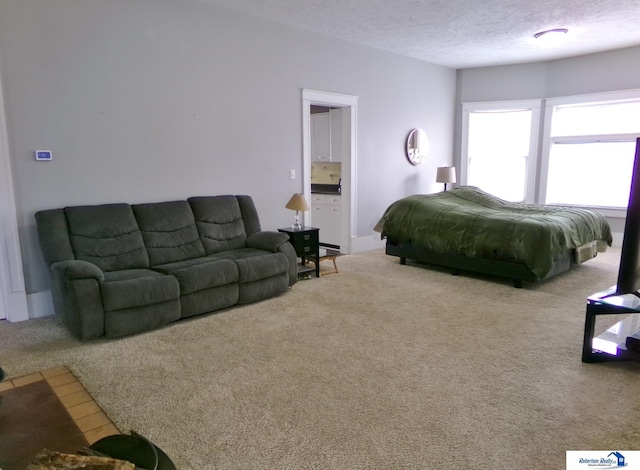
(77, 269)
(76, 297)
(268, 241)
(288, 250)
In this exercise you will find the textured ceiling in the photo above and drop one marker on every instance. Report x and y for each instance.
(461, 33)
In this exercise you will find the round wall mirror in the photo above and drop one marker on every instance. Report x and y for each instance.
(417, 146)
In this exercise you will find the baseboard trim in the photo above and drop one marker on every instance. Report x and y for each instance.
(40, 304)
(17, 306)
(617, 239)
(372, 242)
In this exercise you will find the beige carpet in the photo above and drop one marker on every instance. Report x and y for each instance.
(381, 366)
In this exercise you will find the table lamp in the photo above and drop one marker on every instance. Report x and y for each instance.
(446, 174)
(297, 203)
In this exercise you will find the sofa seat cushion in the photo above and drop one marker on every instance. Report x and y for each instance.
(137, 288)
(201, 273)
(254, 264)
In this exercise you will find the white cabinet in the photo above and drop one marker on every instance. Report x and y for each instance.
(327, 216)
(326, 136)
(320, 137)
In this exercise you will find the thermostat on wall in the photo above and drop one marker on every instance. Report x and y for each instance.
(44, 155)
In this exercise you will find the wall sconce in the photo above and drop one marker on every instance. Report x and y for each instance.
(297, 203)
(446, 174)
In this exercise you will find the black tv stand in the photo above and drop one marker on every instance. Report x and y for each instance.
(618, 343)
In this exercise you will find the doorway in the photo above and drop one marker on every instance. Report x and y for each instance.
(346, 106)
(13, 297)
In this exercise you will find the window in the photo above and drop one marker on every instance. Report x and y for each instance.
(590, 153)
(586, 157)
(501, 149)
(590, 173)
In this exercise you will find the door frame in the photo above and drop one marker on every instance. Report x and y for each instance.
(349, 161)
(13, 297)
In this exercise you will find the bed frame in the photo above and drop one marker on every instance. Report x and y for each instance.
(517, 272)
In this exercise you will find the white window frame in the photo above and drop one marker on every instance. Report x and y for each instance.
(548, 141)
(496, 106)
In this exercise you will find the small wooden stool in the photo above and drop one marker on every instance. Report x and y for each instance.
(329, 255)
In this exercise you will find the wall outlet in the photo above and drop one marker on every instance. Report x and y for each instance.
(292, 174)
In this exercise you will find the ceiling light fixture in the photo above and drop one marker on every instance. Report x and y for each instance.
(548, 31)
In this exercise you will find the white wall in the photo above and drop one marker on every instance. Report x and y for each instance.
(593, 73)
(153, 100)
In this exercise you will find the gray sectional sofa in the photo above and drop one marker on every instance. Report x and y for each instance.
(120, 269)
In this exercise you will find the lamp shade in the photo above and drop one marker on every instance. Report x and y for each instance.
(446, 174)
(297, 203)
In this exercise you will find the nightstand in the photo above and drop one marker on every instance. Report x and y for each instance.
(306, 242)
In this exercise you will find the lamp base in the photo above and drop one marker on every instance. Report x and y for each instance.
(296, 225)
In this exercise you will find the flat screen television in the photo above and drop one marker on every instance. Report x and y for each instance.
(629, 271)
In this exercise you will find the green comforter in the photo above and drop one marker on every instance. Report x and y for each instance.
(470, 222)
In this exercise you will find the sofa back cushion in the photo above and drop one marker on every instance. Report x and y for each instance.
(53, 235)
(249, 215)
(169, 231)
(107, 236)
(220, 223)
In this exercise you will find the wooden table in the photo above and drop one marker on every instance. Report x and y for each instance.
(326, 255)
(305, 241)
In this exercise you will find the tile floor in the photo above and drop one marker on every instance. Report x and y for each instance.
(49, 409)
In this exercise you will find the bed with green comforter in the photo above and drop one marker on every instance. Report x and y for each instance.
(468, 229)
